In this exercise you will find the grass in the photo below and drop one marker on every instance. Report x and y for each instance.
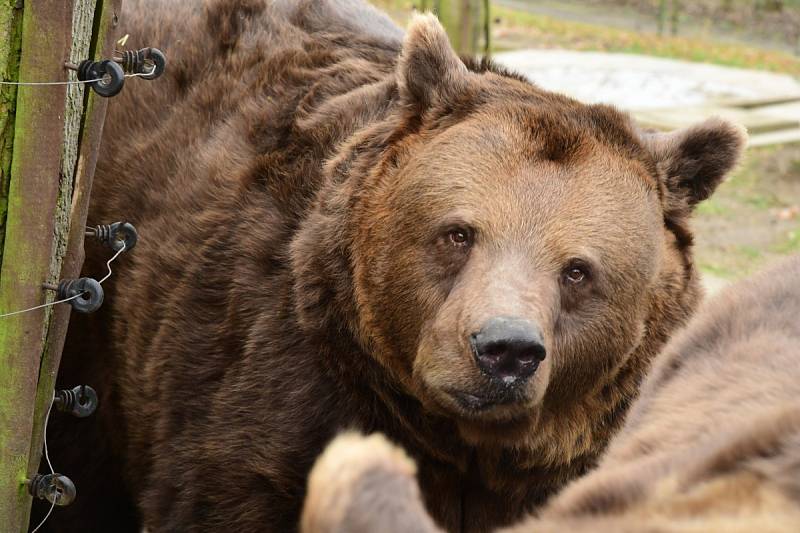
(550, 32)
(747, 184)
(740, 228)
(716, 270)
(521, 29)
(712, 207)
(789, 244)
(735, 262)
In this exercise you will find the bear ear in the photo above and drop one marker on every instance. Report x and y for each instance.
(695, 160)
(429, 71)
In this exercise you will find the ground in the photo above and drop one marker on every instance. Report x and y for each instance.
(754, 217)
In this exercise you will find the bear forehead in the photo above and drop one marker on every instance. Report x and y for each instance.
(492, 168)
(558, 130)
(558, 127)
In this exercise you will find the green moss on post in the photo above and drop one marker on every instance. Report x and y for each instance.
(57, 136)
(33, 184)
(10, 36)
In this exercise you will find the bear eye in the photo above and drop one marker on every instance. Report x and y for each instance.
(576, 273)
(459, 237)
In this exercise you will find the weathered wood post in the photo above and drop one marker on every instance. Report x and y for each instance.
(48, 187)
(83, 163)
(662, 16)
(27, 252)
(675, 17)
(487, 27)
(467, 23)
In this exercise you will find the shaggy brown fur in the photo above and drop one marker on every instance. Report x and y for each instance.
(712, 443)
(298, 179)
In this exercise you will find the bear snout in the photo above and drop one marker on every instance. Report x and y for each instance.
(486, 370)
(508, 349)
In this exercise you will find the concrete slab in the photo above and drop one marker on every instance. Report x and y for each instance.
(637, 82)
(788, 109)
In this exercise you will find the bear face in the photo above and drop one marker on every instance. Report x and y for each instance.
(477, 228)
(505, 245)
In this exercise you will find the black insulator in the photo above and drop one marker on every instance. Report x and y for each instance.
(90, 291)
(148, 63)
(80, 401)
(109, 77)
(57, 489)
(114, 235)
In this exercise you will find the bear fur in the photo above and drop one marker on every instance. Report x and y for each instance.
(711, 444)
(328, 208)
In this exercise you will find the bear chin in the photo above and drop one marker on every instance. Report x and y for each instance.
(504, 422)
(476, 400)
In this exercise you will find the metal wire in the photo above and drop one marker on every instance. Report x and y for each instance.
(49, 464)
(68, 82)
(108, 263)
(40, 306)
(108, 275)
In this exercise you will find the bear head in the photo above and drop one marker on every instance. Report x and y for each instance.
(502, 252)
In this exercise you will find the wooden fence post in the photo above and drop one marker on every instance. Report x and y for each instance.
(84, 166)
(675, 17)
(32, 197)
(44, 225)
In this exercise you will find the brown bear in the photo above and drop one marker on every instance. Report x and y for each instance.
(711, 444)
(347, 226)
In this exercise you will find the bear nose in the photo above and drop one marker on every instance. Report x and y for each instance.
(508, 348)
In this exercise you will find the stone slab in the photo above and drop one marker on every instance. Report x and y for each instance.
(637, 82)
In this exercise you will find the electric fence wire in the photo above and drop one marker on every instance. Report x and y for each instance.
(50, 408)
(68, 82)
(108, 275)
(49, 464)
